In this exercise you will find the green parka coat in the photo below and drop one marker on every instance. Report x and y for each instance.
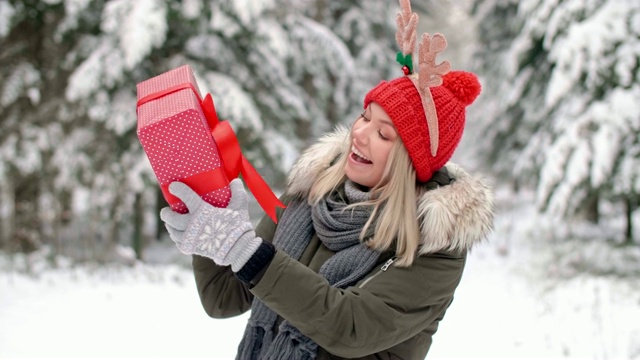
(393, 312)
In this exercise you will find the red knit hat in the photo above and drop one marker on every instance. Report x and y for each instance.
(401, 101)
(428, 107)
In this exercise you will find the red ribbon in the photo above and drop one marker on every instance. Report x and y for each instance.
(233, 162)
(167, 91)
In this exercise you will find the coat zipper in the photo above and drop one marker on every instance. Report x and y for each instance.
(384, 268)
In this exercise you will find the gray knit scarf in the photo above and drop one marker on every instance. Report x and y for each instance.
(339, 230)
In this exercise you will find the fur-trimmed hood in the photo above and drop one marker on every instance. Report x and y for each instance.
(452, 217)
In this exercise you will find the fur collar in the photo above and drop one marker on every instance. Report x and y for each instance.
(452, 218)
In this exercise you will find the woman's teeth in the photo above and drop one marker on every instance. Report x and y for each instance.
(358, 156)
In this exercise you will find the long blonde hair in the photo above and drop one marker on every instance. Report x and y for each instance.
(393, 200)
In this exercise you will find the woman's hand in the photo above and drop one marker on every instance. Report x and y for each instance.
(224, 235)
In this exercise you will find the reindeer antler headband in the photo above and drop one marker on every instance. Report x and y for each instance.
(429, 74)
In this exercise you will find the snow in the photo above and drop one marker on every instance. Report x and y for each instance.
(6, 13)
(131, 30)
(140, 26)
(282, 148)
(232, 101)
(222, 22)
(585, 48)
(191, 9)
(250, 10)
(524, 294)
(23, 79)
(145, 311)
(562, 105)
(86, 78)
(72, 10)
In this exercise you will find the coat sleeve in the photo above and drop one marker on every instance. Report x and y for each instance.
(378, 313)
(221, 293)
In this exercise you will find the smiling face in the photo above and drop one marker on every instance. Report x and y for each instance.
(372, 137)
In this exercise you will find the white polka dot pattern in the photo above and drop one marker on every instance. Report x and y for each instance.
(175, 135)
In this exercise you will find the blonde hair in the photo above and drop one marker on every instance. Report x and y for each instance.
(393, 200)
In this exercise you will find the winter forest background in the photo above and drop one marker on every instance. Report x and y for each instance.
(556, 129)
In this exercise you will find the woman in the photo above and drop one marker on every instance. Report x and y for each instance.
(365, 259)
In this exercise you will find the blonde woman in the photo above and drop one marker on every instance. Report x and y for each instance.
(365, 259)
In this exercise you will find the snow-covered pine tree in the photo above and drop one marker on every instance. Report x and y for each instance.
(32, 76)
(565, 113)
(496, 28)
(68, 75)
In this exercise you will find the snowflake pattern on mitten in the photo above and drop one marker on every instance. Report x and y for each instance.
(224, 235)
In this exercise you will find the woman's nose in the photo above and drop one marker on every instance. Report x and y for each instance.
(360, 135)
(363, 132)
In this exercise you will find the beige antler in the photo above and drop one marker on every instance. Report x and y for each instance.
(407, 22)
(429, 75)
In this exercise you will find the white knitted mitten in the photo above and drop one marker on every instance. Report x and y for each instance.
(224, 235)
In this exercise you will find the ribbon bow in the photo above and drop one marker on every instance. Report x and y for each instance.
(233, 162)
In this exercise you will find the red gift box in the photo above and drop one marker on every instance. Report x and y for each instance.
(184, 141)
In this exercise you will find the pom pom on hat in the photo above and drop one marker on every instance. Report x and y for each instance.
(402, 102)
(464, 86)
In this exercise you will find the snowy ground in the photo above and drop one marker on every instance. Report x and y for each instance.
(523, 295)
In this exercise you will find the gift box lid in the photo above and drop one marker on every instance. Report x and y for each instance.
(163, 87)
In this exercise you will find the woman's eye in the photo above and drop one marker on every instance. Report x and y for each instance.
(382, 135)
(364, 118)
